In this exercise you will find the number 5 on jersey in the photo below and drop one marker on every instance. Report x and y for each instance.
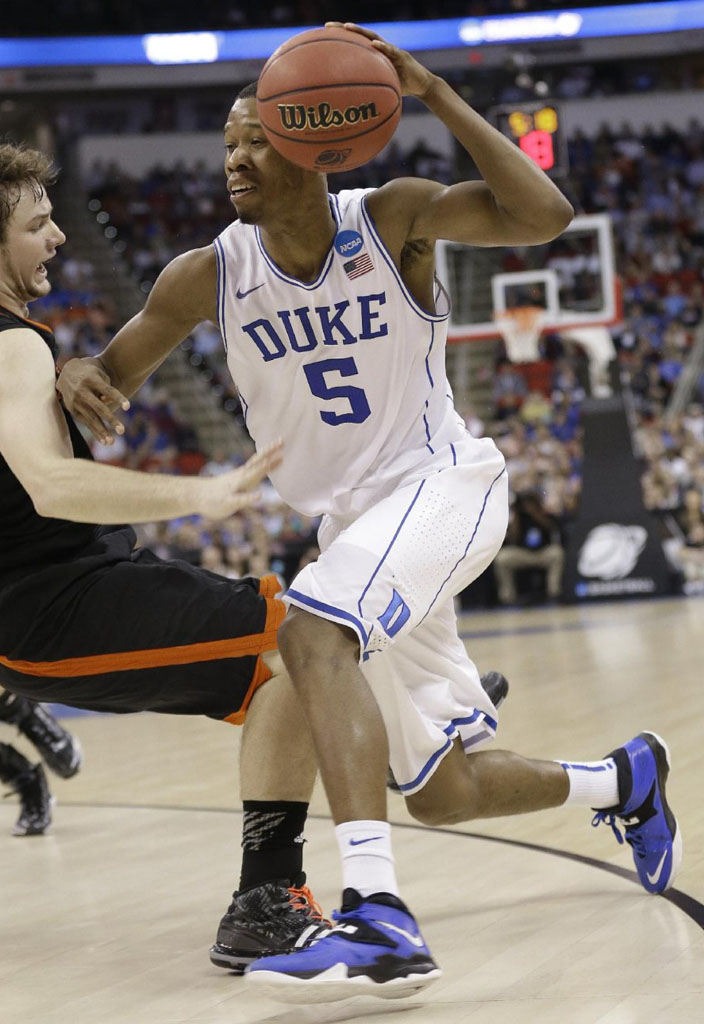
(320, 387)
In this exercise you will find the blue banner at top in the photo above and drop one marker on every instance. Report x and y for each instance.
(447, 33)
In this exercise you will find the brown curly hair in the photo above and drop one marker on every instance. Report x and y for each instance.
(21, 167)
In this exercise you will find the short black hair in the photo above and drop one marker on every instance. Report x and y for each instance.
(248, 92)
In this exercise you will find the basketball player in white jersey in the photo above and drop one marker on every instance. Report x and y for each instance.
(335, 332)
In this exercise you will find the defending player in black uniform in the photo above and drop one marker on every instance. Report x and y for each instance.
(87, 620)
(58, 748)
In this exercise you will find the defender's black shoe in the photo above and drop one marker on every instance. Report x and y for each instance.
(495, 686)
(60, 750)
(30, 785)
(274, 917)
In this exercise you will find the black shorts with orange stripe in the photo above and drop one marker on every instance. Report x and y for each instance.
(123, 631)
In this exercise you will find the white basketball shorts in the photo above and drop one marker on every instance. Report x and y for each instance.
(391, 575)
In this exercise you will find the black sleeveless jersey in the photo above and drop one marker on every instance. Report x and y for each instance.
(28, 541)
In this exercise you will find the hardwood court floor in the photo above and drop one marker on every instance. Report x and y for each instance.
(533, 919)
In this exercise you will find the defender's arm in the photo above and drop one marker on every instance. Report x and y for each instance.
(35, 442)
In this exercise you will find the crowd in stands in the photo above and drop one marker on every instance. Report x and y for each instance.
(672, 449)
(87, 17)
(540, 436)
(161, 215)
(171, 210)
(652, 186)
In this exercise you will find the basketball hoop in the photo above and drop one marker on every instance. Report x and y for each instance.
(520, 328)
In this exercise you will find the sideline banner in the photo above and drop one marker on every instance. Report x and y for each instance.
(613, 548)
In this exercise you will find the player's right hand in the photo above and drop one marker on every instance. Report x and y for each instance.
(232, 491)
(91, 399)
(414, 78)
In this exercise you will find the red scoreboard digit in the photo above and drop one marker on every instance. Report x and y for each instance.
(536, 128)
(538, 146)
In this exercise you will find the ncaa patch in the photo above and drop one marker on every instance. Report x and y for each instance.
(348, 243)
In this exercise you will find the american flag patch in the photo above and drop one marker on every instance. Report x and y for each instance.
(356, 267)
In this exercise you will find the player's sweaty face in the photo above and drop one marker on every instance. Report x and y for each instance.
(31, 241)
(259, 179)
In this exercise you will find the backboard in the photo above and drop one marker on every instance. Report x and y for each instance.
(572, 278)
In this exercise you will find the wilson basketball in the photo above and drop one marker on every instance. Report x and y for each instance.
(328, 100)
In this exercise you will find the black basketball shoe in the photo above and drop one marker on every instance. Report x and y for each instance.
(29, 783)
(59, 749)
(274, 917)
(495, 686)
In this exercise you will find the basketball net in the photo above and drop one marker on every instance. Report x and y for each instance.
(520, 328)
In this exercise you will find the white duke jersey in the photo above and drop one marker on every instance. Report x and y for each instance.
(349, 370)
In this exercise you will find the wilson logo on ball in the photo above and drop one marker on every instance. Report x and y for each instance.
(297, 118)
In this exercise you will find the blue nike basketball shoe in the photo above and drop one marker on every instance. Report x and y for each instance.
(643, 765)
(374, 948)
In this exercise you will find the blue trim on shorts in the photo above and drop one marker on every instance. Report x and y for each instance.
(448, 730)
(454, 455)
(391, 544)
(479, 737)
(464, 555)
(330, 609)
(426, 768)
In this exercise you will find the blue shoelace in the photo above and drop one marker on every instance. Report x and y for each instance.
(633, 838)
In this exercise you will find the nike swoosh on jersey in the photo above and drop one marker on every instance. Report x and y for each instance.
(416, 940)
(358, 842)
(655, 877)
(242, 295)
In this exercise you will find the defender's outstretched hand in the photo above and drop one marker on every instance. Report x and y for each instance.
(87, 393)
(414, 78)
(232, 491)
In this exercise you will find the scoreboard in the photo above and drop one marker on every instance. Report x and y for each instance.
(536, 128)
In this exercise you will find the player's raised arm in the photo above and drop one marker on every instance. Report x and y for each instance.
(515, 204)
(183, 295)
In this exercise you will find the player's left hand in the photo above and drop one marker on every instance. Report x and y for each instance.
(233, 491)
(414, 78)
(90, 398)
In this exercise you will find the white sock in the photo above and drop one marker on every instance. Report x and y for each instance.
(592, 783)
(367, 860)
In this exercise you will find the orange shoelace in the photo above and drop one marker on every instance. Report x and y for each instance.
(303, 899)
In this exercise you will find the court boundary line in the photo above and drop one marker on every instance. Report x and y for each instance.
(689, 905)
